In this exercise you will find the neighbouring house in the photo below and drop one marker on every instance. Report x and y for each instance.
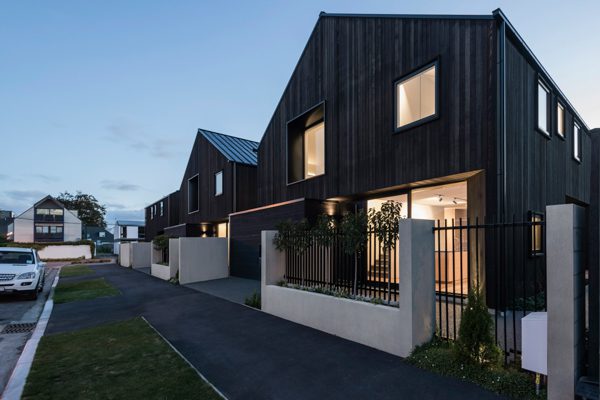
(219, 179)
(46, 221)
(162, 214)
(6, 219)
(127, 231)
(452, 116)
(101, 237)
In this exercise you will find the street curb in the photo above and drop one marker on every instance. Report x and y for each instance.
(16, 383)
(185, 359)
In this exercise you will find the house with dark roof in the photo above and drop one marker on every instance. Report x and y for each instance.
(127, 231)
(48, 220)
(451, 116)
(219, 179)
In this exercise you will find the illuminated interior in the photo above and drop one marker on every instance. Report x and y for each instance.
(378, 266)
(416, 97)
(446, 203)
(221, 230)
(560, 120)
(314, 150)
(542, 107)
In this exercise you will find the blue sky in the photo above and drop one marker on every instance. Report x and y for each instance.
(106, 97)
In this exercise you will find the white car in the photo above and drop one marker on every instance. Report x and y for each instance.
(21, 271)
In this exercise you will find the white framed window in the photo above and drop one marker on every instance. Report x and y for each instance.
(219, 183)
(152, 212)
(417, 97)
(162, 209)
(560, 120)
(543, 96)
(193, 194)
(101, 234)
(576, 142)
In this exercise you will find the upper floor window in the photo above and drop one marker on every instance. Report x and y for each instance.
(542, 103)
(576, 141)
(124, 232)
(416, 97)
(193, 195)
(101, 234)
(306, 145)
(219, 183)
(560, 120)
(152, 212)
(162, 209)
(536, 233)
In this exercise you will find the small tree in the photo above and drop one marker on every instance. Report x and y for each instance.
(89, 210)
(161, 244)
(324, 230)
(354, 235)
(475, 342)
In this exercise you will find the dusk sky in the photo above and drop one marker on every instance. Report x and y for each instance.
(106, 97)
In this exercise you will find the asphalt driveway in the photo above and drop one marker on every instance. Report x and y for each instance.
(248, 354)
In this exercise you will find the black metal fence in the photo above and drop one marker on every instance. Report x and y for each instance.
(371, 274)
(506, 260)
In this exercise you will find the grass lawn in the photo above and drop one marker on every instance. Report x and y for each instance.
(75, 270)
(439, 357)
(83, 290)
(124, 360)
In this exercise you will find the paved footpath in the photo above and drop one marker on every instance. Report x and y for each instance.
(248, 354)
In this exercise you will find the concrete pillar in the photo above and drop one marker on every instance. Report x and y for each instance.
(565, 233)
(417, 279)
(272, 263)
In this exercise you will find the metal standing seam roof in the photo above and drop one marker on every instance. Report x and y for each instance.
(129, 223)
(235, 149)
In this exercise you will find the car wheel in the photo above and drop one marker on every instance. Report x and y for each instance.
(33, 295)
(41, 287)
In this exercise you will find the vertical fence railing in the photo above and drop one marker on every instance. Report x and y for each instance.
(371, 274)
(509, 255)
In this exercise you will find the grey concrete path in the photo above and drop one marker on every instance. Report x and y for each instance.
(232, 288)
(248, 354)
(17, 309)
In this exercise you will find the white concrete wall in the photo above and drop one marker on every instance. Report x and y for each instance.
(72, 227)
(174, 255)
(23, 227)
(141, 254)
(202, 259)
(396, 330)
(67, 251)
(565, 233)
(124, 254)
(161, 271)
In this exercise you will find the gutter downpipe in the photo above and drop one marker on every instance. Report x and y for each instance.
(501, 117)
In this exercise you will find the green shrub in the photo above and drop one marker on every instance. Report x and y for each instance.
(253, 300)
(41, 246)
(475, 343)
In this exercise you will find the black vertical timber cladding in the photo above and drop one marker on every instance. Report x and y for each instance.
(594, 257)
(351, 64)
(245, 231)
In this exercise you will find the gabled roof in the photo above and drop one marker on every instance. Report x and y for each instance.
(235, 149)
(49, 197)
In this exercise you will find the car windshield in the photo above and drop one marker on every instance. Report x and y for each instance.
(15, 257)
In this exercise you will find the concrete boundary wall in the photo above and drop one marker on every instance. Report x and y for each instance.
(57, 252)
(125, 255)
(396, 330)
(565, 233)
(202, 259)
(141, 254)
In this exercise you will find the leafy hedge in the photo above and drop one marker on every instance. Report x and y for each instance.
(41, 246)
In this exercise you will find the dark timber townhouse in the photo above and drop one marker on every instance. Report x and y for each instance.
(219, 179)
(161, 215)
(452, 116)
